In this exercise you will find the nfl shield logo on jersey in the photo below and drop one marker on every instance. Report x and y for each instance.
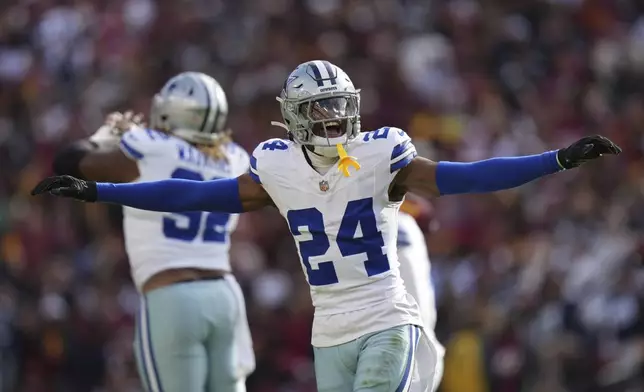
(324, 186)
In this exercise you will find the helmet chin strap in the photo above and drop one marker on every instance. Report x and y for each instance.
(279, 124)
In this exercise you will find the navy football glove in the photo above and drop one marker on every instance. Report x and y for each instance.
(67, 186)
(586, 149)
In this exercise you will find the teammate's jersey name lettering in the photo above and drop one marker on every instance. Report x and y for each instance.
(193, 156)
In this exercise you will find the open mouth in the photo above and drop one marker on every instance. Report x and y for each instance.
(333, 129)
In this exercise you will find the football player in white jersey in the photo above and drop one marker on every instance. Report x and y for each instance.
(340, 191)
(192, 334)
(415, 268)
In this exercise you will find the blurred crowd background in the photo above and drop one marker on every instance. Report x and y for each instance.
(539, 289)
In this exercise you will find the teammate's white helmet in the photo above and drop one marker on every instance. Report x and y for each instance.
(320, 107)
(192, 106)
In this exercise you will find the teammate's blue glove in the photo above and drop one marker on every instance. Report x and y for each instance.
(586, 149)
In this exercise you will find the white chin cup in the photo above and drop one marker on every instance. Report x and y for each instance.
(327, 147)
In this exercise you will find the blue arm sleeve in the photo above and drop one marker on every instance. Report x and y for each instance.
(493, 174)
(175, 195)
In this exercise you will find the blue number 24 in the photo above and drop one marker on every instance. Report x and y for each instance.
(358, 212)
(215, 222)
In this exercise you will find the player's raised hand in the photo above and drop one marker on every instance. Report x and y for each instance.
(123, 122)
(586, 149)
(67, 186)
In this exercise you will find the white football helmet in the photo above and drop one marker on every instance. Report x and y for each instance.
(192, 106)
(320, 107)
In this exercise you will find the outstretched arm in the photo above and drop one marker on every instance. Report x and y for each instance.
(225, 195)
(430, 178)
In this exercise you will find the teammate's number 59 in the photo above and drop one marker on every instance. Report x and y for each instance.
(357, 213)
(188, 228)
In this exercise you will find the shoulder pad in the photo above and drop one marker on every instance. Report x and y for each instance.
(396, 142)
(267, 152)
(139, 143)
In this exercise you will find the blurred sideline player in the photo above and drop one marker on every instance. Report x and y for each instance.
(415, 267)
(342, 210)
(192, 333)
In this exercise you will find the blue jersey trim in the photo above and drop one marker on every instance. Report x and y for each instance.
(253, 170)
(400, 149)
(403, 162)
(131, 150)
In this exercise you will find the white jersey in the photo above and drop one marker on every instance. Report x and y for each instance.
(345, 229)
(415, 268)
(158, 241)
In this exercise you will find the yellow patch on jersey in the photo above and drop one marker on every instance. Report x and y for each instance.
(346, 161)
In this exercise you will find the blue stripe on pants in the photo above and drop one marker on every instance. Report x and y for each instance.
(147, 353)
(414, 334)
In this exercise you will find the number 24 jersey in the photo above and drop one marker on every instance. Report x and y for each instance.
(345, 230)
